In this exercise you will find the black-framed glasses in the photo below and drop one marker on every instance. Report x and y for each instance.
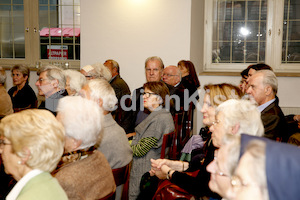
(2, 143)
(148, 94)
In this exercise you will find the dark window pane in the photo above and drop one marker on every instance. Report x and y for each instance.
(238, 10)
(17, 1)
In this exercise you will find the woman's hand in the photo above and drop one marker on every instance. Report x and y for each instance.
(176, 165)
(161, 173)
(159, 163)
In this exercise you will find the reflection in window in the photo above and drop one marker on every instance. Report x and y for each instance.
(291, 32)
(12, 41)
(59, 22)
(239, 31)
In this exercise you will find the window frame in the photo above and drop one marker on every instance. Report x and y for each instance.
(32, 43)
(273, 44)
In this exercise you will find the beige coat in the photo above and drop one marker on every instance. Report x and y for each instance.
(89, 178)
(6, 107)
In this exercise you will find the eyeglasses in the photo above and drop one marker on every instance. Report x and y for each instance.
(2, 143)
(148, 94)
(169, 75)
(215, 122)
(40, 80)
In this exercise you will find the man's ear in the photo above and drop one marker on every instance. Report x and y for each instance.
(55, 83)
(268, 90)
(115, 71)
(235, 129)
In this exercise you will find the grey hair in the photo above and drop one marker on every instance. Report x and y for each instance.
(115, 64)
(244, 113)
(152, 58)
(82, 119)
(102, 89)
(101, 71)
(77, 80)
(54, 73)
(269, 78)
(2, 76)
(179, 72)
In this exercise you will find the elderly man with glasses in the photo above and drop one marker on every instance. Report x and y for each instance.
(51, 85)
(172, 76)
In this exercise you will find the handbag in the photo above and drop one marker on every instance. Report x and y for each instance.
(168, 190)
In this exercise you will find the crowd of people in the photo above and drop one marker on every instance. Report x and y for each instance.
(85, 124)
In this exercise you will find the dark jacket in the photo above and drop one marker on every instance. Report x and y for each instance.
(120, 87)
(274, 122)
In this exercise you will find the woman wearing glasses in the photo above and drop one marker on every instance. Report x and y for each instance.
(22, 95)
(149, 133)
(198, 186)
(31, 145)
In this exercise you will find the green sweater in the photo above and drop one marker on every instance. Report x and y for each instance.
(42, 187)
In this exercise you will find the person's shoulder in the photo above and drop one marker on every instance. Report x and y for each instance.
(11, 90)
(43, 186)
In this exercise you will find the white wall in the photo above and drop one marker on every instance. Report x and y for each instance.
(129, 31)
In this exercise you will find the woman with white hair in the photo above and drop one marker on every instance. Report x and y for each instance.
(31, 145)
(83, 172)
(74, 81)
(96, 70)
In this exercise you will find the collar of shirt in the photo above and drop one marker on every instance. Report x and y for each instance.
(263, 106)
(112, 78)
(177, 84)
(14, 193)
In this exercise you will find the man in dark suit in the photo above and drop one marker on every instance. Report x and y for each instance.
(263, 86)
(118, 84)
(172, 76)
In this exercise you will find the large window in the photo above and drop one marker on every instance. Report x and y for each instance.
(241, 32)
(40, 32)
